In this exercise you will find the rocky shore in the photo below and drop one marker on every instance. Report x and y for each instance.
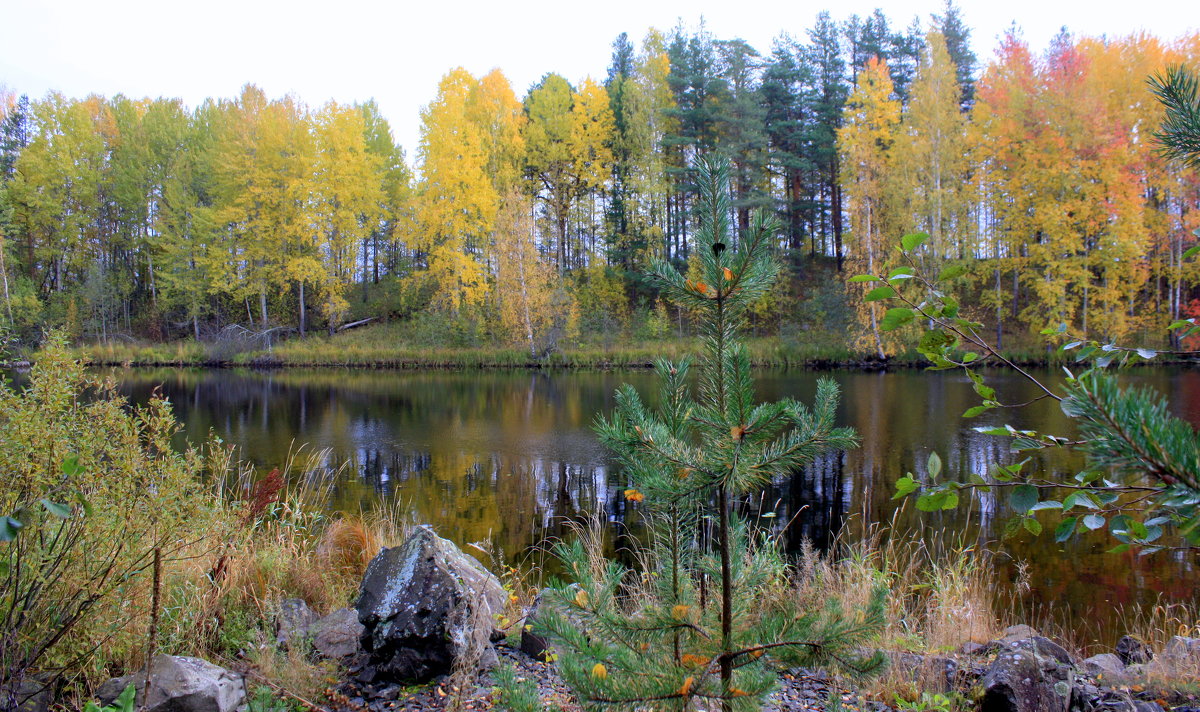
(428, 633)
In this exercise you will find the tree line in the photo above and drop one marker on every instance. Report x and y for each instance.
(523, 218)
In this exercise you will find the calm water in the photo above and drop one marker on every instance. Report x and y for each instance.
(510, 457)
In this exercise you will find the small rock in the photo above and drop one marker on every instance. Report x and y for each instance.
(1182, 649)
(389, 693)
(1104, 663)
(179, 684)
(1133, 651)
(533, 644)
(31, 694)
(293, 621)
(1043, 647)
(338, 635)
(1018, 632)
(970, 648)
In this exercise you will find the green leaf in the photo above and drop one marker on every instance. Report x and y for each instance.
(913, 240)
(1048, 504)
(1032, 526)
(1119, 549)
(1094, 521)
(950, 272)
(999, 431)
(1065, 529)
(969, 356)
(934, 465)
(972, 412)
(949, 307)
(878, 293)
(1120, 527)
(1191, 252)
(1079, 500)
(905, 486)
(863, 278)
(981, 484)
(936, 499)
(9, 528)
(1023, 498)
(61, 511)
(1147, 353)
(895, 318)
(84, 503)
(127, 698)
(71, 467)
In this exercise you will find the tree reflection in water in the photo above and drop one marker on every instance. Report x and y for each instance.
(508, 457)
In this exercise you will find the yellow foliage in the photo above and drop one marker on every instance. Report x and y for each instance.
(461, 280)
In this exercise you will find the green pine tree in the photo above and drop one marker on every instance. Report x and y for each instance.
(696, 627)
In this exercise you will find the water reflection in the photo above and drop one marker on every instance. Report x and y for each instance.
(510, 457)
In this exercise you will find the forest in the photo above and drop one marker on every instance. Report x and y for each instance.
(527, 220)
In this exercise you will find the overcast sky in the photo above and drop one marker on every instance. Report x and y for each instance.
(351, 50)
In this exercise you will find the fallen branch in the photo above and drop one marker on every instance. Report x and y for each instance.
(354, 324)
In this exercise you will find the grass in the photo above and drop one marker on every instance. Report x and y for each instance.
(938, 599)
(401, 345)
(390, 346)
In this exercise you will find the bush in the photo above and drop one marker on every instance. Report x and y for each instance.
(92, 490)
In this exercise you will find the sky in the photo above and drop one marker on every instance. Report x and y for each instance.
(395, 52)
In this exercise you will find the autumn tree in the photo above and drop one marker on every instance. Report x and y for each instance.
(568, 153)
(348, 194)
(930, 159)
(642, 120)
(263, 179)
(864, 145)
(187, 222)
(525, 282)
(395, 220)
(456, 199)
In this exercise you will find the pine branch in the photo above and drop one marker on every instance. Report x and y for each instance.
(1179, 136)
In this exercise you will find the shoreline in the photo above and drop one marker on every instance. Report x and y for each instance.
(865, 365)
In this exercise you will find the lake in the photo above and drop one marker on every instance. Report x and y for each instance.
(509, 457)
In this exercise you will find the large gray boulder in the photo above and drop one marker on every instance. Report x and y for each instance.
(423, 605)
(1021, 680)
(338, 635)
(179, 684)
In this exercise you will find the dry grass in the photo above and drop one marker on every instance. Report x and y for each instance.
(938, 599)
(221, 602)
(1156, 626)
